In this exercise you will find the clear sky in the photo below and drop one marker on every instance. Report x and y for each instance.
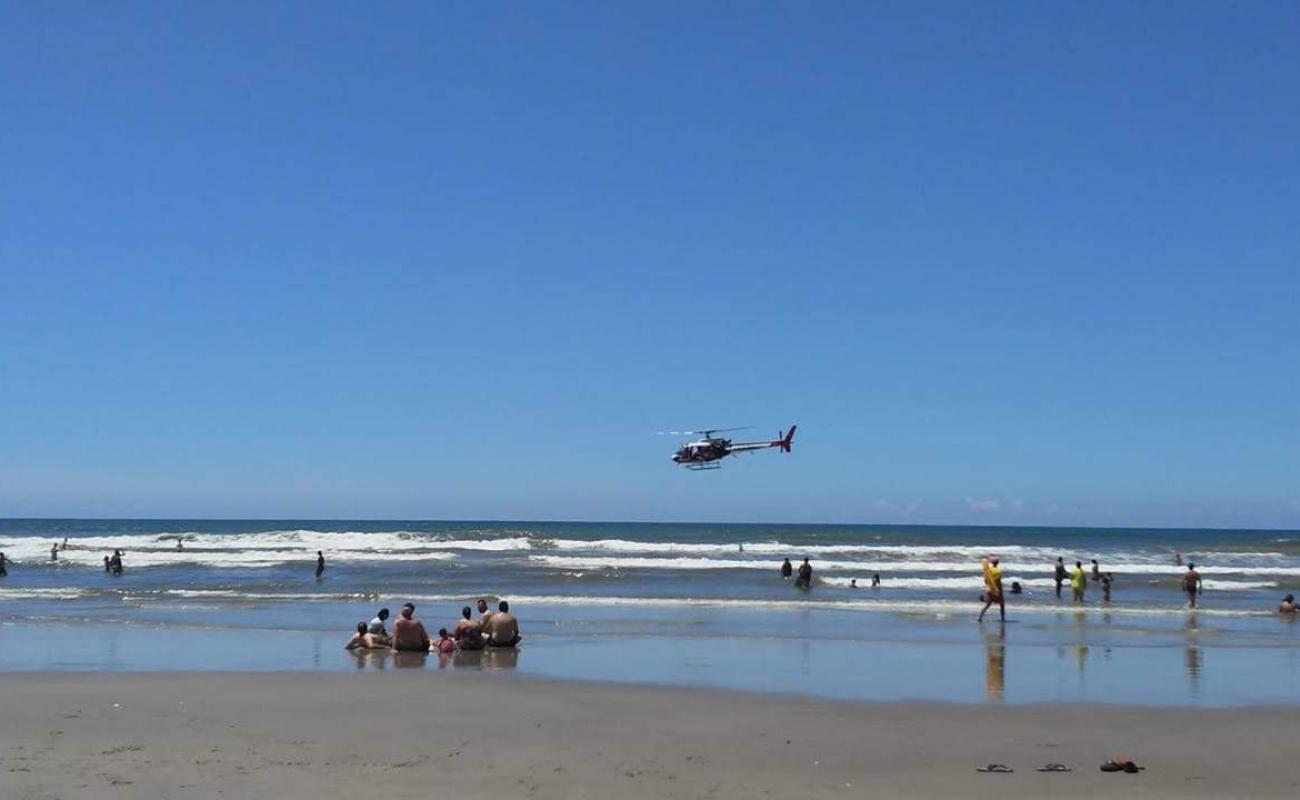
(1026, 263)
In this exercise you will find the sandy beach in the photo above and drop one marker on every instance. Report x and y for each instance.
(416, 734)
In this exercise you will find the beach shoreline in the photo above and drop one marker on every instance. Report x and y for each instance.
(416, 733)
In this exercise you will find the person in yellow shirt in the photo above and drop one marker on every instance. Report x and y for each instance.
(1078, 581)
(993, 588)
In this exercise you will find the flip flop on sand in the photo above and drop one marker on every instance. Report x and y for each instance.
(1054, 768)
(1121, 765)
(1003, 768)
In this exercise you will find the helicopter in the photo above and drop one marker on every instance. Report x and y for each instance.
(707, 453)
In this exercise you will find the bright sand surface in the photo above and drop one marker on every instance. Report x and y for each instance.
(446, 734)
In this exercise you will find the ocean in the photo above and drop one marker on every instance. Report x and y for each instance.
(676, 603)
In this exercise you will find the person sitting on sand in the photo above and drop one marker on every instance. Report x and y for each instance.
(445, 644)
(483, 614)
(409, 633)
(1288, 605)
(787, 569)
(1192, 584)
(361, 640)
(377, 629)
(467, 633)
(502, 629)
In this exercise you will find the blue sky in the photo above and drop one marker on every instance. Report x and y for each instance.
(1013, 263)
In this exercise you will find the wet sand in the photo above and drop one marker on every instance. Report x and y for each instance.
(437, 734)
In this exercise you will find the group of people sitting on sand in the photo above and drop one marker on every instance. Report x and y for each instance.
(499, 629)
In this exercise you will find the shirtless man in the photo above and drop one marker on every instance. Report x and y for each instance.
(502, 629)
(409, 633)
(1192, 584)
(483, 615)
(467, 633)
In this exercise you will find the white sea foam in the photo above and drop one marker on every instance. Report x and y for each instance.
(868, 567)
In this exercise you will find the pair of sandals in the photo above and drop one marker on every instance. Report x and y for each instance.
(1120, 764)
(1004, 769)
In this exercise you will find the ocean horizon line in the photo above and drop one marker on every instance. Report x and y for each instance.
(669, 523)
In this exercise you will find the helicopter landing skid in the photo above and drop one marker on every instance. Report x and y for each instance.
(705, 465)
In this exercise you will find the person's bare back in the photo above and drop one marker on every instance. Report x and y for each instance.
(503, 629)
(409, 633)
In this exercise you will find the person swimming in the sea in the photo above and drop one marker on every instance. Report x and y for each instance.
(804, 581)
(875, 580)
(1288, 605)
(787, 569)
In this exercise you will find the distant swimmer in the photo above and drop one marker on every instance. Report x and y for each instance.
(108, 565)
(408, 632)
(1059, 576)
(115, 563)
(1015, 588)
(179, 544)
(320, 564)
(787, 569)
(993, 588)
(742, 547)
(54, 552)
(4, 565)
(804, 581)
(875, 580)
(1096, 571)
(1078, 581)
(1192, 584)
(853, 584)
(65, 543)
(1178, 559)
(1288, 605)
(502, 629)
(1106, 580)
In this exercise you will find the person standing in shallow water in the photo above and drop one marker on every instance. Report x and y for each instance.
(787, 569)
(1191, 584)
(993, 588)
(320, 564)
(1060, 575)
(1078, 580)
(4, 564)
(804, 581)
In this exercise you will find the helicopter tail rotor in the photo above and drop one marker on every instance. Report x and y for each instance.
(783, 442)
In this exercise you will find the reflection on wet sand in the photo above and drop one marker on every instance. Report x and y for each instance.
(489, 659)
(1194, 657)
(995, 664)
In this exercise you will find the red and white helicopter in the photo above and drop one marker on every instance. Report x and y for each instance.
(707, 453)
